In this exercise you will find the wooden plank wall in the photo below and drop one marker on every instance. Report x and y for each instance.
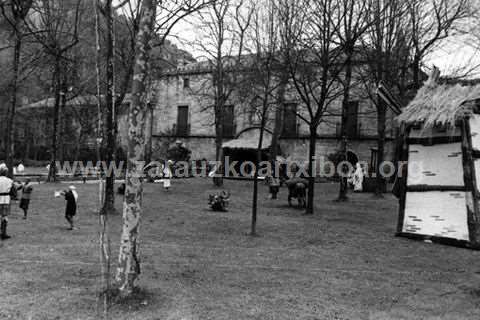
(436, 165)
(433, 205)
(436, 213)
(471, 150)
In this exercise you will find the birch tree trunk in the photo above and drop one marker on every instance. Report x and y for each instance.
(128, 260)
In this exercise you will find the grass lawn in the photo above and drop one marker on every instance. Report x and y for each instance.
(342, 263)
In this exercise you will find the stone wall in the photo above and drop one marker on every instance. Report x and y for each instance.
(293, 149)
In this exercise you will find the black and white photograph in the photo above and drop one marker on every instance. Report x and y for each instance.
(240, 159)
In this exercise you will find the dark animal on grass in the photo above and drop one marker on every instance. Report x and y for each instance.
(219, 202)
(297, 188)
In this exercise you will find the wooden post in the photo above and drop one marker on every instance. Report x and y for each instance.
(402, 174)
(472, 195)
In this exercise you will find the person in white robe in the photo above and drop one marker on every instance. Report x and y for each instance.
(358, 177)
(167, 175)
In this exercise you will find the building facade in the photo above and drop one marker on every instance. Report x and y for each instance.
(181, 108)
(183, 111)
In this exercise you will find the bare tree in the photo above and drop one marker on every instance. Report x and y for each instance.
(54, 25)
(129, 264)
(224, 26)
(429, 22)
(283, 17)
(14, 12)
(386, 53)
(314, 64)
(155, 17)
(353, 25)
(107, 10)
(261, 80)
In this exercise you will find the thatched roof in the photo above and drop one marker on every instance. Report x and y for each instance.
(249, 140)
(440, 104)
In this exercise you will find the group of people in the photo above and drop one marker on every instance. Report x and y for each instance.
(9, 190)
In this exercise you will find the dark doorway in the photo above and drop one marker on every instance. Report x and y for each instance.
(244, 155)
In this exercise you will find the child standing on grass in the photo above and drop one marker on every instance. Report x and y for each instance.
(167, 174)
(27, 189)
(71, 197)
(274, 186)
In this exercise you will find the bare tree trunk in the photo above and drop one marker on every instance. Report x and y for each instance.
(52, 174)
(381, 117)
(61, 119)
(219, 115)
(109, 114)
(253, 230)
(128, 260)
(10, 133)
(104, 239)
(148, 146)
(416, 72)
(77, 147)
(277, 128)
(28, 145)
(311, 169)
(342, 194)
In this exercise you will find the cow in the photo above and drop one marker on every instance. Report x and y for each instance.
(297, 188)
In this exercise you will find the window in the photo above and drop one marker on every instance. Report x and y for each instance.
(352, 119)
(228, 122)
(290, 120)
(186, 83)
(182, 121)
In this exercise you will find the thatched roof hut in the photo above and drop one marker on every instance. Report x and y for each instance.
(440, 186)
(440, 104)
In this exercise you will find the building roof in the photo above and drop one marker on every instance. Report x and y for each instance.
(441, 104)
(79, 101)
(207, 66)
(248, 139)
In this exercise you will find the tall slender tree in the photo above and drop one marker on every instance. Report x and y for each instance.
(261, 81)
(314, 63)
(55, 26)
(155, 17)
(223, 27)
(107, 10)
(353, 26)
(128, 260)
(14, 12)
(385, 49)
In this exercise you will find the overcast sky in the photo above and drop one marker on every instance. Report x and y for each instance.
(453, 56)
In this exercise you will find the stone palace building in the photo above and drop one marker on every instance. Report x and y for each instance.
(183, 111)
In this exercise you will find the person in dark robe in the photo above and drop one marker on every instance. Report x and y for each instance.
(71, 198)
(274, 186)
(27, 189)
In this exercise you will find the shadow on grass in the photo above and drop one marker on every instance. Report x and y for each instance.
(140, 298)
